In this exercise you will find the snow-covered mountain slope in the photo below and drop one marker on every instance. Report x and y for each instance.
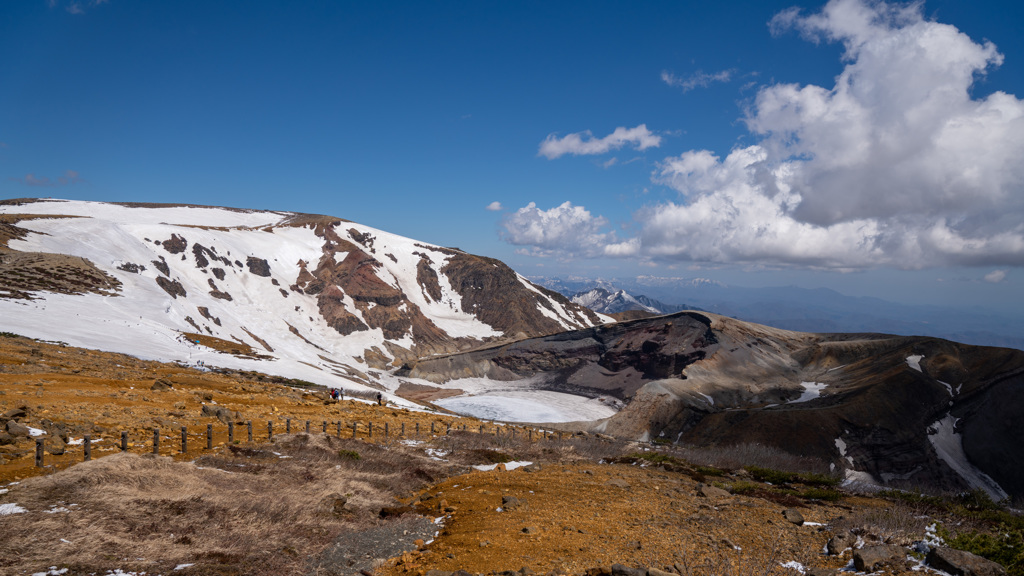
(298, 295)
(607, 302)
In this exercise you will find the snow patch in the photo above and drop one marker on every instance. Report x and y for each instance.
(842, 451)
(8, 509)
(950, 449)
(508, 466)
(915, 362)
(794, 565)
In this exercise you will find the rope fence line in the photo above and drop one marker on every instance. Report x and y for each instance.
(358, 430)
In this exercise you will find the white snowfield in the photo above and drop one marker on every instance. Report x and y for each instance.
(143, 320)
(950, 449)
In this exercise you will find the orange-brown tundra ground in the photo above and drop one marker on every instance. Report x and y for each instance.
(574, 514)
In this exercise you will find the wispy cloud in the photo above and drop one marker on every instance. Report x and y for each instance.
(495, 206)
(68, 178)
(584, 143)
(698, 79)
(76, 7)
(995, 276)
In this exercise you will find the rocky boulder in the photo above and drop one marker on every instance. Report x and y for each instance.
(17, 430)
(961, 563)
(221, 413)
(840, 542)
(870, 558)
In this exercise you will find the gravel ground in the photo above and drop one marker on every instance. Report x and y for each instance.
(357, 551)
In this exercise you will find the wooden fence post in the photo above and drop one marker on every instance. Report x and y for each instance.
(249, 426)
(531, 434)
(403, 429)
(325, 426)
(156, 440)
(513, 433)
(87, 447)
(431, 427)
(287, 425)
(386, 430)
(307, 426)
(354, 425)
(370, 428)
(417, 429)
(39, 452)
(231, 433)
(448, 430)
(124, 441)
(339, 428)
(209, 436)
(270, 429)
(184, 440)
(481, 428)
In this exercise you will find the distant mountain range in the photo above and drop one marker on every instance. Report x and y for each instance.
(608, 302)
(807, 310)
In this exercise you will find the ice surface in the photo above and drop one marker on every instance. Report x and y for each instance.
(528, 406)
(812, 390)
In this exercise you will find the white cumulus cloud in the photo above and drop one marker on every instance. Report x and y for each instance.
(584, 143)
(897, 164)
(562, 230)
(494, 206)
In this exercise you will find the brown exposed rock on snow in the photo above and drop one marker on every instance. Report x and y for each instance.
(492, 290)
(258, 266)
(427, 279)
(174, 288)
(175, 245)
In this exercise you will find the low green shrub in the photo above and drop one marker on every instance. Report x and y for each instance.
(348, 454)
(710, 471)
(826, 494)
(769, 475)
(744, 487)
(657, 458)
(780, 477)
(1005, 546)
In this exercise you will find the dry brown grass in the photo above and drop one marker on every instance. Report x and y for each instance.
(898, 523)
(471, 447)
(760, 455)
(263, 509)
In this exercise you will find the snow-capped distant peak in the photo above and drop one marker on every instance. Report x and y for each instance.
(609, 302)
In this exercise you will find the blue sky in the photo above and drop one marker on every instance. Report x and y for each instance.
(689, 139)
